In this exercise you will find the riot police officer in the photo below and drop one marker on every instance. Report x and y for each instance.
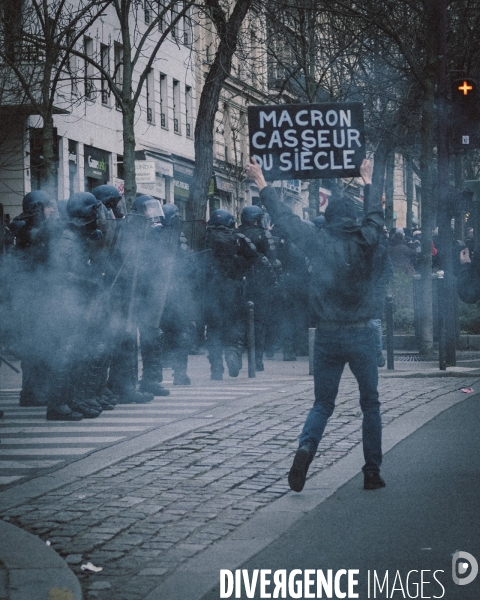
(75, 283)
(151, 291)
(110, 197)
(231, 255)
(261, 280)
(33, 230)
(178, 310)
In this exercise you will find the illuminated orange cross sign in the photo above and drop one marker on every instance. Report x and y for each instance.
(465, 88)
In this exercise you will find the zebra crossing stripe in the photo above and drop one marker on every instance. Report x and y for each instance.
(28, 464)
(59, 440)
(62, 451)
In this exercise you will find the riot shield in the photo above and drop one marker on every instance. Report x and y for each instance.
(159, 253)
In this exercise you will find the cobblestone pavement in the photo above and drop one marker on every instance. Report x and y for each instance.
(142, 517)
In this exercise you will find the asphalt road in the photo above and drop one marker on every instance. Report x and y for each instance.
(429, 510)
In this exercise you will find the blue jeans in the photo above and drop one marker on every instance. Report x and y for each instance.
(333, 349)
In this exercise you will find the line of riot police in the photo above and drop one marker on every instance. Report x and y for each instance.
(83, 283)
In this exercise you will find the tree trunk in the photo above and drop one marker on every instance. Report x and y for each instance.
(409, 189)
(313, 198)
(49, 174)
(389, 186)
(379, 165)
(428, 220)
(207, 109)
(459, 183)
(130, 186)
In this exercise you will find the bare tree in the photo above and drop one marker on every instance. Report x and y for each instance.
(37, 37)
(227, 21)
(143, 28)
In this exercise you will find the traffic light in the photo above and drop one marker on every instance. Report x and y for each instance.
(465, 114)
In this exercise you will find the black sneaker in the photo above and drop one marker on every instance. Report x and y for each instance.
(372, 481)
(104, 403)
(380, 360)
(298, 472)
(84, 409)
(131, 396)
(92, 403)
(63, 413)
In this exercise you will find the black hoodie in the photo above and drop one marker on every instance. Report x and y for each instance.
(341, 287)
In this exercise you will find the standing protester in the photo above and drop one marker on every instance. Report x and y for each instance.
(231, 256)
(341, 296)
(262, 278)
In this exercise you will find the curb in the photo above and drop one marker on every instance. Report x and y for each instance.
(33, 570)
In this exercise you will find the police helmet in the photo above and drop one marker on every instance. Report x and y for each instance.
(149, 207)
(251, 215)
(171, 212)
(34, 202)
(108, 195)
(82, 208)
(221, 217)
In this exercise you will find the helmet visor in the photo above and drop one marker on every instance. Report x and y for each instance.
(153, 210)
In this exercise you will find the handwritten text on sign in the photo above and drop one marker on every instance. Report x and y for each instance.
(307, 141)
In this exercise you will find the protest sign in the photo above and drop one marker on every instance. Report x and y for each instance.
(307, 141)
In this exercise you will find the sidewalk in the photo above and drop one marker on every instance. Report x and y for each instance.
(162, 520)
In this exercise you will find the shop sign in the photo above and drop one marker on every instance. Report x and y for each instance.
(96, 163)
(181, 188)
(156, 189)
(144, 171)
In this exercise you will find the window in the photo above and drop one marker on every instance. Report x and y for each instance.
(227, 133)
(176, 106)
(120, 170)
(72, 65)
(12, 28)
(188, 111)
(175, 21)
(105, 63)
(187, 28)
(161, 16)
(118, 75)
(150, 97)
(148, 12)
(163, 101)
(89, 79)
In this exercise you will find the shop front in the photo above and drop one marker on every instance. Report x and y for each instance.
(96, 168)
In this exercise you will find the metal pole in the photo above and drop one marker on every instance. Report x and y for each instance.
(389, 314)
(417, 305)
(445, 198)
(251, 339)
(311, 345)
(442, 363)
